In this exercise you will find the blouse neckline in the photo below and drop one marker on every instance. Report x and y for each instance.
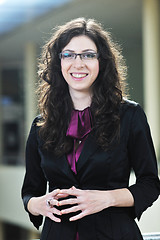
(79, 128)
(77, 110)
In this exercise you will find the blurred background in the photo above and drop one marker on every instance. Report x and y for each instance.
(24, 28)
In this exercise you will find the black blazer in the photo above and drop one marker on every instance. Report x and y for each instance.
(99, 170)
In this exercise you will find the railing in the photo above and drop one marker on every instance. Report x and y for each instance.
(148, 236)
(151, 236)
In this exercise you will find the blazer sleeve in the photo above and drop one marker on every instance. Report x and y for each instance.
(35, 183)
(143, 160)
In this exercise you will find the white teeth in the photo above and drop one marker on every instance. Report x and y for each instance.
(79, 75)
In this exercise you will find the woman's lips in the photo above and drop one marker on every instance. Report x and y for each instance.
(79, 76)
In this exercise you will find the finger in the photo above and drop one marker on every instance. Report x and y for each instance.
(54, 192)
(51, 198)
(51, 202)
(72, 191)
(70, 210)
(69, 201)
(79, 216)
(56, 211)
(61, 195)
(52, 217)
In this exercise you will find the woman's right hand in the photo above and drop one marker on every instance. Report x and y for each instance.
(38, 205)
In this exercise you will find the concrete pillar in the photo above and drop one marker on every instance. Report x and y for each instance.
(151, 59)
(1, 231)
(30, 77)
(1, 140)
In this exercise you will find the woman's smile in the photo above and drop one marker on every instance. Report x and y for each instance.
(79, 76)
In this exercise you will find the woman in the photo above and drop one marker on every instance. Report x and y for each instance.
(86, 141)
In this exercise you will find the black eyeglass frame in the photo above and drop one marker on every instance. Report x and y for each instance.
(80, 55)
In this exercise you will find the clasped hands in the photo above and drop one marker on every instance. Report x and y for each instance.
(85, 202)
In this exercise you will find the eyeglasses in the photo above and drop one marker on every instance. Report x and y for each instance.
(83, 56)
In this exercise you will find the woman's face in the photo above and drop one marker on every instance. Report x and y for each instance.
(82, 71)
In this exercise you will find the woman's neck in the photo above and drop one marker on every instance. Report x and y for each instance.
(81, 100)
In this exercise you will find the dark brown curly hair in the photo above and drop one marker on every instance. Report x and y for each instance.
(108, 89)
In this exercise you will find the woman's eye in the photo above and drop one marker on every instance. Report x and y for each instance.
(89, 55)
(67, 55)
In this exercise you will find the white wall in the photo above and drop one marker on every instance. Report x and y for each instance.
(11, 207)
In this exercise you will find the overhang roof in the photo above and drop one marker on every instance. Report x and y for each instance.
(122, 18)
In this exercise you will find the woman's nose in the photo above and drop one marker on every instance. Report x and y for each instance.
(78, 62)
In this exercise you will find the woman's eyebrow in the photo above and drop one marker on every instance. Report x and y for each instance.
(68, 50)
(85, 50)
(89, 50)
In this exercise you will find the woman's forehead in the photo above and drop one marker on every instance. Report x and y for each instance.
(80, 43)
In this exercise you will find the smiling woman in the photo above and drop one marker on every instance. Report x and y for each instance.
(85, 142)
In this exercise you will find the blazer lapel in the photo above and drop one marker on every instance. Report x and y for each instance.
(65, 168)
(89, 148)
(61, 165)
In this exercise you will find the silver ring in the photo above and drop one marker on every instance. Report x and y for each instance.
(48, 202)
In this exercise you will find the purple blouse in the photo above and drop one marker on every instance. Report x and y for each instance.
(79, 128)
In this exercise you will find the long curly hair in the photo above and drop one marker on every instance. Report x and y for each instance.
(55, 102)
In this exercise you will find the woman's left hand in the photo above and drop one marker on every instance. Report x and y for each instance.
(87, 201)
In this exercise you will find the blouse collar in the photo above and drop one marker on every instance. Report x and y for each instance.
(80, 123)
